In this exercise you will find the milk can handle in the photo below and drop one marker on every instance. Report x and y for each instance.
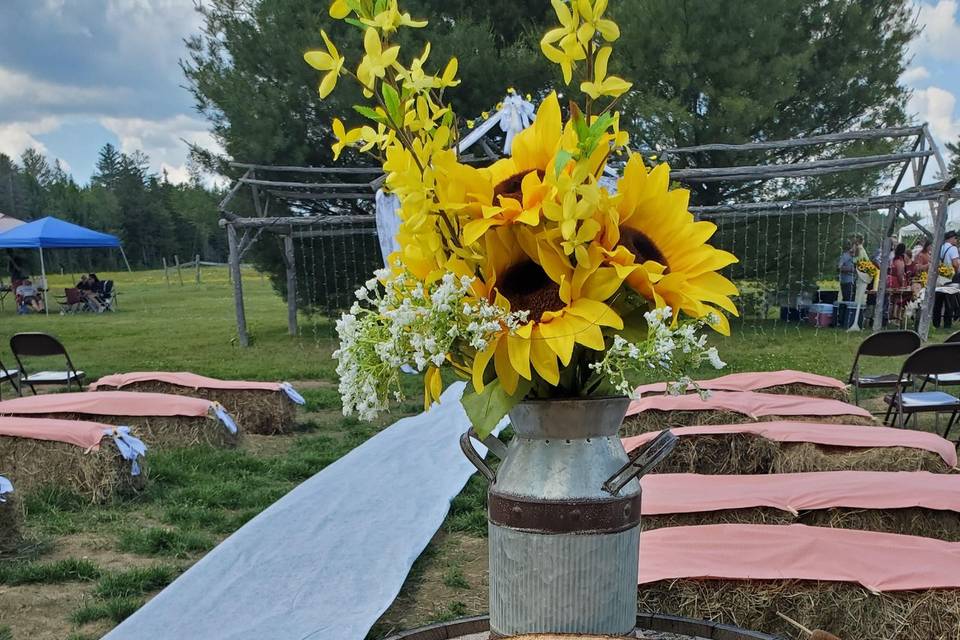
(492, 442)
(641, 461)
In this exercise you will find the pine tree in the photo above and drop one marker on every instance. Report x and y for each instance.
(953, 167)
(108, 167)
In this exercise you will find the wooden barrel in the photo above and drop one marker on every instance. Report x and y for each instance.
(478, 628)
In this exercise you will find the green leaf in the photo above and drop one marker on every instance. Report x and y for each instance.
(485, 409)
(356, 6)
(380, 6)
(356, 23)
(367, 112)
(392, 101)
(563, 157)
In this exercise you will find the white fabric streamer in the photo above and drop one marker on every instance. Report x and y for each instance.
(388, 223)
(326, 560)
(516, 114)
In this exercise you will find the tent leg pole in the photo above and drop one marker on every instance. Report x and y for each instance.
(43, 276)
(125, 261)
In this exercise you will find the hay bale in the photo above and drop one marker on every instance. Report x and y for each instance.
(726, 454)
(11, 519)
(255, 411)
(98, 475)
(915, 521)
(657, 420)
(163, 432)
(846, 610)
(809, 391)
(797, 457)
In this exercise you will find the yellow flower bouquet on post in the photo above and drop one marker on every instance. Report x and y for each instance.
(526, 278)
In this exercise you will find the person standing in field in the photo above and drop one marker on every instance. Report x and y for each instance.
(848, 272)
(950, 257)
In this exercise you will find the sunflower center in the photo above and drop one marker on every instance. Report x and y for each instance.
(641, 246)
(528, 288)
(512, 187)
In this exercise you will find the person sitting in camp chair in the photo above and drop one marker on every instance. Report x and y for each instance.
(28, 298)
(89, 287)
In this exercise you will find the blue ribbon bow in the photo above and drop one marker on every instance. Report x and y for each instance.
(225, 417)
(131, 448)
(5, 487)
(292, 393)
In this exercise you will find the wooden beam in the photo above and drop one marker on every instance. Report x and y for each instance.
(792, 170)
(234, 260)
(863, 134)
(233, 191)
(929, 297)
(279, 223)
(289, 259)
(294, 169)
(305, 185)
(312, 195)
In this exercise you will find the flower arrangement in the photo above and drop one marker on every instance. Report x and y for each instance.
(945, 271)
(527, 277)
(867, 267)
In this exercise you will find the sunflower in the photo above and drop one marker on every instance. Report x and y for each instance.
(566, 305)
(656, 233)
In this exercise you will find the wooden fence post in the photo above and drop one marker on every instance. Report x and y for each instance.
(198, 268)
(176, 259)
(166, 273)
(237, 285)
(290, 262)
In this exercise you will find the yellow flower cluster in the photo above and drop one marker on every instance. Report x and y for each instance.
(537, 232)
(867, 267)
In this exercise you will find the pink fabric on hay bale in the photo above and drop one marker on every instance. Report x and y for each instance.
(754, 381)
(878, 561)
(109, 403)
(750, 403)
(824, 434)
(86, 435)
(182, 379)
(669, 493)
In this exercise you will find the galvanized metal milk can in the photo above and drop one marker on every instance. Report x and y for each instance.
(564, 518)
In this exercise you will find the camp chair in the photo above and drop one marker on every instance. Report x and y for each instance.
(43, 345)
(881, 344)
(9, 375)
(934, 359)
(107, 295)
(72, 301)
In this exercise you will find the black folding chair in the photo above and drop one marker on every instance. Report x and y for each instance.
(42, 345)
(108, 296)
(953, 337)
(932, 360)
(881, 344)
(11, 376)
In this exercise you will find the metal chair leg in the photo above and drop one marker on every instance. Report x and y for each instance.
(953, 417)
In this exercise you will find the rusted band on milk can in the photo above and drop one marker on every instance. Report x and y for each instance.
(564, 516)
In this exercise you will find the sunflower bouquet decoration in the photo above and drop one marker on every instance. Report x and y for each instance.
(527, 278)
(867, 267)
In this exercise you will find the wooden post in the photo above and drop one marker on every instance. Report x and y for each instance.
(939, 230)
(237, 286)
(289, 259)
(198, 268)
(166, 273)
(885, 250)
(176, 259)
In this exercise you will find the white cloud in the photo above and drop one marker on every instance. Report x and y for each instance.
(16, 137)
(940, 38)
(176, 175)
(20, 89)
(914, 75)
(165, 141)
(936, 106)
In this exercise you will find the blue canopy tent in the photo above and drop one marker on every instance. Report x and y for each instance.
(53, 233)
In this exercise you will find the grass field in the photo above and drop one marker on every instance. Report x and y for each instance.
(86, 568)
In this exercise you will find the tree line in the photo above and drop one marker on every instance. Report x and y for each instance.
(153, 217)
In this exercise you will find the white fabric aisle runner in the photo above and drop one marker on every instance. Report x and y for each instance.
(326, 560)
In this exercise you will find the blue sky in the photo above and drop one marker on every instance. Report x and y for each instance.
(75, 74)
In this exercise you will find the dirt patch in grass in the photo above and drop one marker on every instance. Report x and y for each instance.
(448, 581)
(266, 446)
(98, 549)
(40, 612)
